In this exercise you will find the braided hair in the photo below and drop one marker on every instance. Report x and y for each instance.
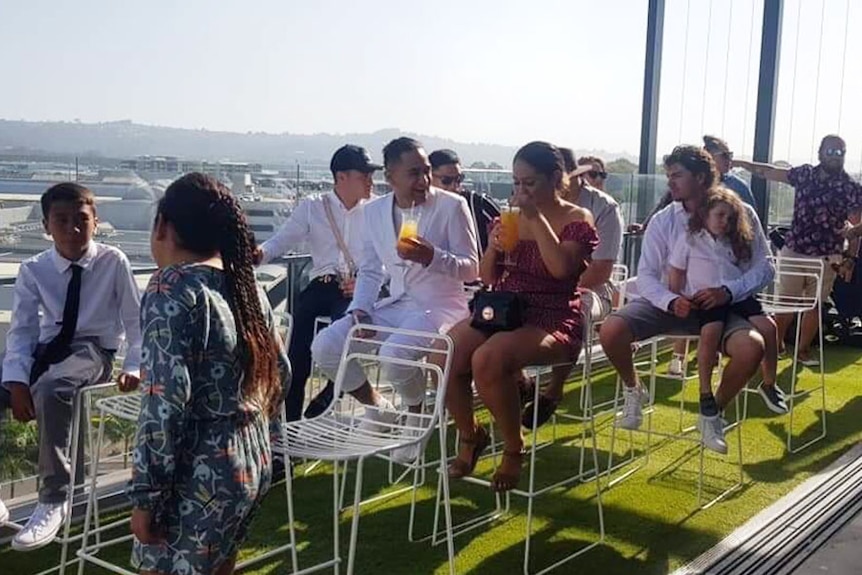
(208, 220)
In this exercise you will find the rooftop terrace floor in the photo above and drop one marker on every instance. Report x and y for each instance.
(652, 519)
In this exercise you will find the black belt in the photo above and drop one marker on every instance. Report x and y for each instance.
(327, 278)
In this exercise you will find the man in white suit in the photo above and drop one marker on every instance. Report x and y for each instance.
(427, 276)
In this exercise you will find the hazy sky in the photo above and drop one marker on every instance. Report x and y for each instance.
(499, 71)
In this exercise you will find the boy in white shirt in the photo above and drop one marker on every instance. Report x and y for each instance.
(719, 238)
(88, 300)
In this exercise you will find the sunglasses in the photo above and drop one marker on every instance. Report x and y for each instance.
(449, 180)
(839, 152)
(597, 174)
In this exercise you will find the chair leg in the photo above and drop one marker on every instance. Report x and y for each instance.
(288, 489)
(91, 498)
(336, 515)
(354, 524)
(77, 403)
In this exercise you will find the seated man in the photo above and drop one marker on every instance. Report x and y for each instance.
(334, 241)
(446, 174)
(427, 269)
(691, 173)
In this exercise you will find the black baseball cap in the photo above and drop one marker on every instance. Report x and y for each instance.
(352, 157)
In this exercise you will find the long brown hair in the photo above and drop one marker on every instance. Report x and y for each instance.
(739, 230)
(209, 220)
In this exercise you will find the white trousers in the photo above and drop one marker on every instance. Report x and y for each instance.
(327, 347)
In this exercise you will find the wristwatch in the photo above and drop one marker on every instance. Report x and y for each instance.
(728, 292)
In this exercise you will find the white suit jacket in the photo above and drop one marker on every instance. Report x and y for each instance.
(437, 289)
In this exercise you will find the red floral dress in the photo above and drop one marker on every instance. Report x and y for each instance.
(552, 304)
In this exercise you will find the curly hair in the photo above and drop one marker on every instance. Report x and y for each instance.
(697, 161)
(739, 230)
(209, 220)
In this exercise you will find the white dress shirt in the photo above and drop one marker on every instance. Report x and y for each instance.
(708, 262)
(437, 289)
(662, 233)
(308, 222)
(110, 306)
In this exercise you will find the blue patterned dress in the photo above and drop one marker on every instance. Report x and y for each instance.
(202, 459)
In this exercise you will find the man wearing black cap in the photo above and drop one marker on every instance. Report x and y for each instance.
(331, 224)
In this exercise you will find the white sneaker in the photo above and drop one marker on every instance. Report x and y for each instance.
(4, 513)
(42, 527)
(410, 453)
(379, 417)
(634, 399)
(677, 364)
(712, 433)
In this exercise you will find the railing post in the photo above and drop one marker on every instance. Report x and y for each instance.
(767, 96)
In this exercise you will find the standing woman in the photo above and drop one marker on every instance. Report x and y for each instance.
(554, 245)
(212, 374)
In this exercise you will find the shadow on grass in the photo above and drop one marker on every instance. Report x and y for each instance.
(841, 424)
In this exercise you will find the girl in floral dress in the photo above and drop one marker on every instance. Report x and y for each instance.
(212, 375)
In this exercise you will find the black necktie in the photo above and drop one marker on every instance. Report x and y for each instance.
(58, 348)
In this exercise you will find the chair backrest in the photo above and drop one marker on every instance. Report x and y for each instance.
(793, 270)
(284, 325)
(365, 350)
(620, 280)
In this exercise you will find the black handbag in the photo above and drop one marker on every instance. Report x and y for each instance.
(494, 311)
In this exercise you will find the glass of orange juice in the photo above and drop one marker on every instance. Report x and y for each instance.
(409, 228)
(509, 234)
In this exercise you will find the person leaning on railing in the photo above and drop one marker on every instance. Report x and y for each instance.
(825, 200)
(553, 244)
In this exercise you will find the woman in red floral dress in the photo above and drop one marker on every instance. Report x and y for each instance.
(556, 239)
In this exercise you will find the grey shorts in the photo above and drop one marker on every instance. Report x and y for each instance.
(646, 321)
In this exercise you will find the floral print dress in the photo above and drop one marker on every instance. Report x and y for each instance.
(202, 459)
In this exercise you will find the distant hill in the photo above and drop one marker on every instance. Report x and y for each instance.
(125, 139)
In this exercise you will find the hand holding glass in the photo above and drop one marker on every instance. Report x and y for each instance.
(409, 230)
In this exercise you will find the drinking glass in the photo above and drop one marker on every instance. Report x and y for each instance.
(409, 230)
(509, 232)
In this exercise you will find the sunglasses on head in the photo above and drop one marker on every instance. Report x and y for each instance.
(449, 180)
(839, 152)
(597, 174)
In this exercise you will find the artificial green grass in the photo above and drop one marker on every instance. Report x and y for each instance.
(652, 520)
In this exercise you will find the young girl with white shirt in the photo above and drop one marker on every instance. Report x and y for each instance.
(708, 255)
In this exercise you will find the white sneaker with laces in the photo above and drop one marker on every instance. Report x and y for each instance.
(677, 364)
(42, 528)
(379, 417)
(634, 399)
(4, 513)
(410, 453)
(712, 433)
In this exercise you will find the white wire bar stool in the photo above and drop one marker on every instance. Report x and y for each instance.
(774, 302)
(340, 437)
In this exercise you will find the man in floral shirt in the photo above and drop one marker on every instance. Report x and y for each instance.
(825, 200)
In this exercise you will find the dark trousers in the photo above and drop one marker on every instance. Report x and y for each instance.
(318, 299)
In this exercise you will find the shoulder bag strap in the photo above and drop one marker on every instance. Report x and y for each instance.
(338, 237)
